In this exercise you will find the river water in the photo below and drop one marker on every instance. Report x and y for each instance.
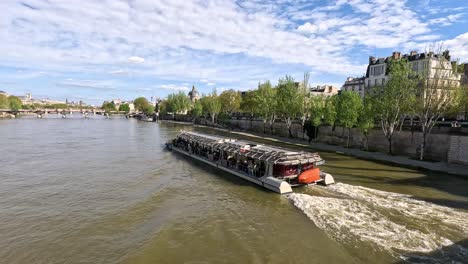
(105, 191)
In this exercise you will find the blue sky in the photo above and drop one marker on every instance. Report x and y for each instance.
(99, 50)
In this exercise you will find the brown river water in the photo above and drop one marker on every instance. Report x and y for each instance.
(106, 191)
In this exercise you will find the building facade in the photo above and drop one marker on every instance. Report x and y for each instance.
(323, 90)
(355, 84)
(464, 80)
(430, 65)
(194, 95)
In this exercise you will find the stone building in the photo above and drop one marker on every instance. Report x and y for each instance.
(428, 64)
(194, 95)
(464, 80)
(323, 90)
(355, 84)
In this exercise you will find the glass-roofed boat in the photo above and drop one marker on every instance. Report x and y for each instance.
(275, 168)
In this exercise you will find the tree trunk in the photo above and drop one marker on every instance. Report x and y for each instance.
(367, 141)
(212, 119)
(390, 145)
(303, 130)
(349, 133)
(289, 124)
(423, 145)
(264, 123)
(316, 134)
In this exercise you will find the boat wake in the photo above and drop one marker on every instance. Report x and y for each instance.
(397, 223)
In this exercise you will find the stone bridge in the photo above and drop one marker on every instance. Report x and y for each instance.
(41, 111)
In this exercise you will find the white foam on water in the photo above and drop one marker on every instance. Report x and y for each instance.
(348, 220)
(407, 206)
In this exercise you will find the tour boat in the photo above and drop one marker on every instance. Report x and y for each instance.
(275, 168)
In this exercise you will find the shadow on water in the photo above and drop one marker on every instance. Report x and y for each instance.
(455, 253)
(369, 169)
(446, 183)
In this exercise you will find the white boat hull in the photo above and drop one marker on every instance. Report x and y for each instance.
(270, 183)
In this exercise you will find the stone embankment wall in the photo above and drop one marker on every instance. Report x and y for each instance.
(6, 115)
(404, 143)
(444, 143)
(458, 152)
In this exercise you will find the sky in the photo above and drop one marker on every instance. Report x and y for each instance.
(96, 50)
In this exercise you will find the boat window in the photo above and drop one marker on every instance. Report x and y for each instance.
(307, 166)
(280, 170)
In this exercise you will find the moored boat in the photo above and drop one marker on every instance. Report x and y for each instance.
(275, 168)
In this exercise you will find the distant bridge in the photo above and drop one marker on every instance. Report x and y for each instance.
(42, 111)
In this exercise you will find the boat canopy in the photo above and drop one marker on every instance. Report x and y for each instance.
(252, 150)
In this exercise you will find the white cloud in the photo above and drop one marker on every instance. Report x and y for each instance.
(136, 60)
(446, 21)
(173, 87)
(458, 47)
(119, 72)
(210, 83)
(188, 40)
(88, 84)
(308, 28)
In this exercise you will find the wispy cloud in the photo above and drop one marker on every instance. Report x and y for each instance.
(173, 87)
(87, 84)
(136, 60)
(215, 42)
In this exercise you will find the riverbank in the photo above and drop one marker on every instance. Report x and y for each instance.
(6, 115)
(444, 167)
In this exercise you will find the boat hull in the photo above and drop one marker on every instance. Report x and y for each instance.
(270, 183)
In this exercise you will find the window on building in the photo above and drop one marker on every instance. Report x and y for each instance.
(368, 83)
(375, 82)
(383, 81)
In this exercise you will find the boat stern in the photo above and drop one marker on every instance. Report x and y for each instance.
(277, 185)
(327, 178)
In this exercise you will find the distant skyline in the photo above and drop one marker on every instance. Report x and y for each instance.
(99, 50)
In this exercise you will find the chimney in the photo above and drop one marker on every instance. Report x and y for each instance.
(396, 55)
(371, 59)
(446, 54)
(413, 52)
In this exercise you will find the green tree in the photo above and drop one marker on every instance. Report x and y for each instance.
(366, 119)
(141, 104)
(149, 110)
(230, 101)
(395, 98)
(197, 110)
(348, 108)
(289, 101)
(248, 104)
(163, 107)
(4, 102)
(178, 103)
(316, 111)
(108, 106)
(212, 105)
(14, 102)
(264, 104)
(330, 112)
(124, 108)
